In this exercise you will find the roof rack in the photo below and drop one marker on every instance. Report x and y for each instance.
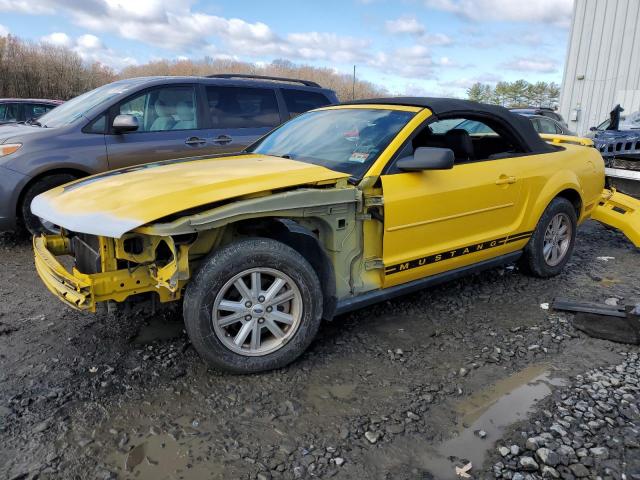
(308, 83)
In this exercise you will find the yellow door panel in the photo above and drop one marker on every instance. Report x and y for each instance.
(444, 219)
(620, 211)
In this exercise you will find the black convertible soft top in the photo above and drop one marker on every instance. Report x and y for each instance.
(447, 107)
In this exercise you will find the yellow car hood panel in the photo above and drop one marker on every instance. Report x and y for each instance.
(113, 203)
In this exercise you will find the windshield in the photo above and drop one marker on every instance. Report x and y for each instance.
(70, 111)
(346, 140)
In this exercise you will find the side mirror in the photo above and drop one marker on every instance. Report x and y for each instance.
(125, 123)
(427, 158)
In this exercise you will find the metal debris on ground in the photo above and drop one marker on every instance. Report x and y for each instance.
(617, 323)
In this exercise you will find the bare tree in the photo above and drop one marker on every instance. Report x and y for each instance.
(42, 70)
(328, 78)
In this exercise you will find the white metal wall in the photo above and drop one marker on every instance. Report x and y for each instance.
(602, 67)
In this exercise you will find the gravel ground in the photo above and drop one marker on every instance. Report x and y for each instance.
(399, 390)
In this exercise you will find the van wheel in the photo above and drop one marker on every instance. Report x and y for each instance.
(552, 242)
(36, 225)
(254, 305)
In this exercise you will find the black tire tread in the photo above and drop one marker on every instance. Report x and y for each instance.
(28, 220)
(225, 262)
(532, 261)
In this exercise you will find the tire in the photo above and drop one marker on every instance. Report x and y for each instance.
(215, 285)
(546, 258)
(32, 223)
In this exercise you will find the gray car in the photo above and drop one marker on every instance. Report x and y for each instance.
(141, 120)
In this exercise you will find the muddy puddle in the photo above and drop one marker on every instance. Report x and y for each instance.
(163, 457)
(484, 417)
(490, 410)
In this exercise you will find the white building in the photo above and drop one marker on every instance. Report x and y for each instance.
(602, 67)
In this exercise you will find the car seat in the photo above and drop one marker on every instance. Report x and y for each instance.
(460, 142)
(186, 116)
(164, 119)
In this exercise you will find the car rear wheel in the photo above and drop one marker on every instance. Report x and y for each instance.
(36, 225)
(254, 305)
(552, 242)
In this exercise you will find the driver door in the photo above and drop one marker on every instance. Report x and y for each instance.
(439, 220)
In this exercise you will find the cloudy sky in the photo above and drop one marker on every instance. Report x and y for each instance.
(436, 47)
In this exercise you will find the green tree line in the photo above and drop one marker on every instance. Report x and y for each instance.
(516, 94)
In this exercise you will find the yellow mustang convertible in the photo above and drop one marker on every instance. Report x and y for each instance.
(339, 208)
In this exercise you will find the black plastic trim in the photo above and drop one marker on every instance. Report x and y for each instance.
(354, 303)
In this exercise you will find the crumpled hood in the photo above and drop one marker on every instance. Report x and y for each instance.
(113, 203)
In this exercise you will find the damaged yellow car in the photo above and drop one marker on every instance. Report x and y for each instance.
(339, 208)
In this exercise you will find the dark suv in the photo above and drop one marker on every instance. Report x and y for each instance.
(141, 120)
(542, 111)
(14, 110)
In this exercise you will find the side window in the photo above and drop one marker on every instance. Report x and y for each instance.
(471, 139)
(99, 125)
(163, 109)
(300, 101)
(35, 110)
(546, 125)
(9, 112)
(240, 107)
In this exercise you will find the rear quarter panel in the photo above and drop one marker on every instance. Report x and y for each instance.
(572, 167)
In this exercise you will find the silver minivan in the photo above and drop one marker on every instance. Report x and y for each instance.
(141, 120)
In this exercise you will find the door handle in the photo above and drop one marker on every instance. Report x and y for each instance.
(505, 180)
(195, 141)
(223, 139)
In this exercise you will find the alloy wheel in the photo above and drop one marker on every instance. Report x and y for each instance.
(557, 239)
(257, 311)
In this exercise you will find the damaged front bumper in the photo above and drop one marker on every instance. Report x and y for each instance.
(84, 291)
(620, 211)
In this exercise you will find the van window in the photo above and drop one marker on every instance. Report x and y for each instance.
(35, 110)
(241, 107)
(8, 112)
(299, 101)
(162, 109)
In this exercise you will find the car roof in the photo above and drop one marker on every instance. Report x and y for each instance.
(236, 82)
(450, 106)
(538, 116)
(31, 100)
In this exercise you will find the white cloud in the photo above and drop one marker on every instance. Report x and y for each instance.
(4, 31)
(59, 39)
(182, 30)
(89, 42)
(90, 48)
(436, 39)
(409, 25)
(405, 24)
(537, 65)
(557, 12)
(25, 6)
(412, 62)
(466, 82)
(175, 26)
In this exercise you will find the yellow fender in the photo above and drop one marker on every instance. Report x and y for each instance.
(619, 211)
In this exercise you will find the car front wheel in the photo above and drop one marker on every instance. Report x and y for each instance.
(254, 305)
(552, 242)
(36, 225)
